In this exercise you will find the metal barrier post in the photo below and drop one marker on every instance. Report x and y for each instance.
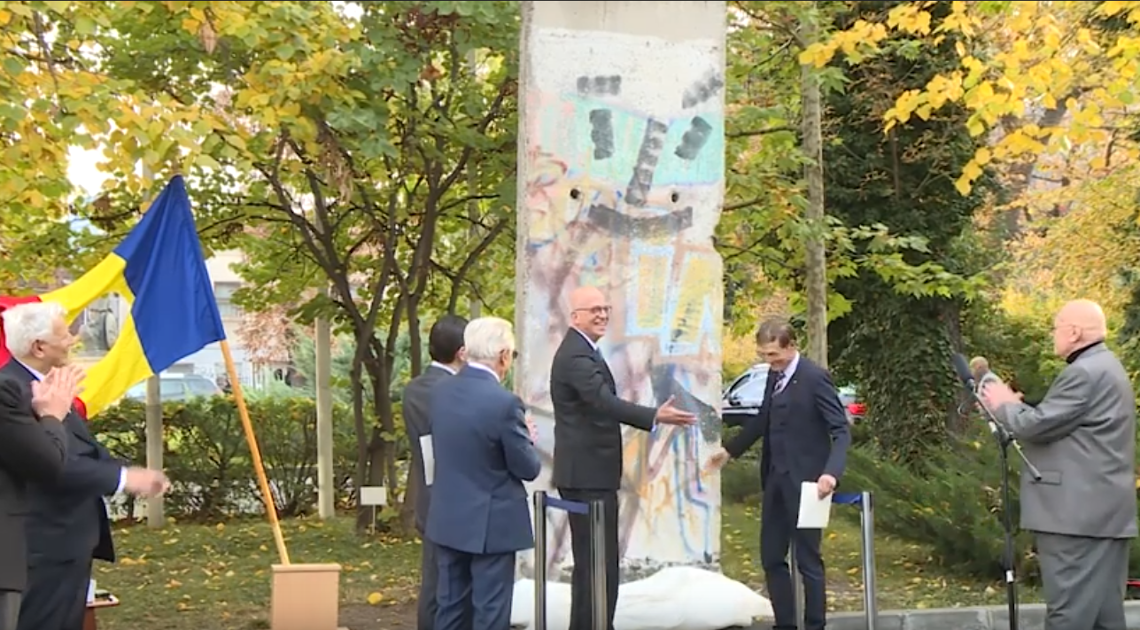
(595, 512)
(598, 545)
(797, 583)
(540, 560)
(867, 520)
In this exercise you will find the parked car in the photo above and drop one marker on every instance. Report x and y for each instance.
(745, 394)
(856, 408)
(174, 386)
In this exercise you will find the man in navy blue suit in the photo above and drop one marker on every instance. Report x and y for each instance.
(484, 450)
(805, 439)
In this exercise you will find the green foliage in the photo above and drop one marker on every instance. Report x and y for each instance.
(208, 459)
(951, 503)
(337, 149)
(762, 232)
(897, 340)
(1018, 350)
(740, 481)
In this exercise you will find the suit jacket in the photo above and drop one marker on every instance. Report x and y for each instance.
(67, 516)
(1082, 439)
(483, 454)
(588, 416)
(32, 449)
(417, 398)
(805, 422)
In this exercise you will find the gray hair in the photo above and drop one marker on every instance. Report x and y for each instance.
(485, 338)
(25, 324)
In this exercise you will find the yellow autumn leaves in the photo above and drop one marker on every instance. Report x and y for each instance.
(1030, 56)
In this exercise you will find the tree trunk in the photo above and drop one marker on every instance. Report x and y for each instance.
(813, 174)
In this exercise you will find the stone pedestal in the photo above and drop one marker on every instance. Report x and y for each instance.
(305, 597)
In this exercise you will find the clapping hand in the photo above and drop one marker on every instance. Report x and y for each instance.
(145, 482)
(531, 428)
(997, 394)
(670, 414)
(54, 395)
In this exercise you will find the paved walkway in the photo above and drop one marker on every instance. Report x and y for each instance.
(1032, 617)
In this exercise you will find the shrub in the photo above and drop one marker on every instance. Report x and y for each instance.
(740, 481)
(208, 460)
(951, 505)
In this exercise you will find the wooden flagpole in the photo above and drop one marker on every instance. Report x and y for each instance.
(255, 452)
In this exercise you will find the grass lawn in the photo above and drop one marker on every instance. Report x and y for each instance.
(215, 577)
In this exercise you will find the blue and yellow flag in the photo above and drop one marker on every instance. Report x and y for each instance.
(160, 270)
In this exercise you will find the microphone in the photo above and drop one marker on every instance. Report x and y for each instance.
(971, 387)
(963, 370)
(1004, 441)
(1003, 437)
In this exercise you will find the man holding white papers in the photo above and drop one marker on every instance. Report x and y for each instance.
(805, 440)
(445, 346)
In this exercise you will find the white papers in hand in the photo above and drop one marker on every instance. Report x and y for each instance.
(814, 511)
(429, 459)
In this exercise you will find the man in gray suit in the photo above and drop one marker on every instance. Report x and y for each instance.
(445, 345)
(1082, 439)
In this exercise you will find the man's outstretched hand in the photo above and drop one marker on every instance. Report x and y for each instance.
(669, 414)
(717, 461)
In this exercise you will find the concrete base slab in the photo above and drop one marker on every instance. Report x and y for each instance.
(1030, 617)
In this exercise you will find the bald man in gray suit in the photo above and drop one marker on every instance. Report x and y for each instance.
(1082, 439)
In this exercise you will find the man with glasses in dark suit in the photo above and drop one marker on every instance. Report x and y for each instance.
(588, 419)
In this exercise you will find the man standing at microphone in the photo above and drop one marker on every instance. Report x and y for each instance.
(1082, 439)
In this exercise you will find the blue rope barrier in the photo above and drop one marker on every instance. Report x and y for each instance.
(847, 498)
(575, 507)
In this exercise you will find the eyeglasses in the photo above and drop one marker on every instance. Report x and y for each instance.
(596, 310)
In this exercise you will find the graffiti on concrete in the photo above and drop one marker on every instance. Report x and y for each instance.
(623, 173)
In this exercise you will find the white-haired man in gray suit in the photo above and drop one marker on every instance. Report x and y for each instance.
(1082, 439)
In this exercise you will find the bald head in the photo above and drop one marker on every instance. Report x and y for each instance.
(585, 297)
(589, 312)
(1078, 324)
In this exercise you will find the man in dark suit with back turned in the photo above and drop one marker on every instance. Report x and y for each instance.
(588, 444)
(479, 515)
(445, 345)
(67, 525)
(33, 449)
(805, 439)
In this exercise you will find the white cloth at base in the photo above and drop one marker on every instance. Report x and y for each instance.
(674, 598)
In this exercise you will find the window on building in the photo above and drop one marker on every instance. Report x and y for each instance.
(224, 293)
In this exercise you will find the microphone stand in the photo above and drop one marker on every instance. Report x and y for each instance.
(1004, 441)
